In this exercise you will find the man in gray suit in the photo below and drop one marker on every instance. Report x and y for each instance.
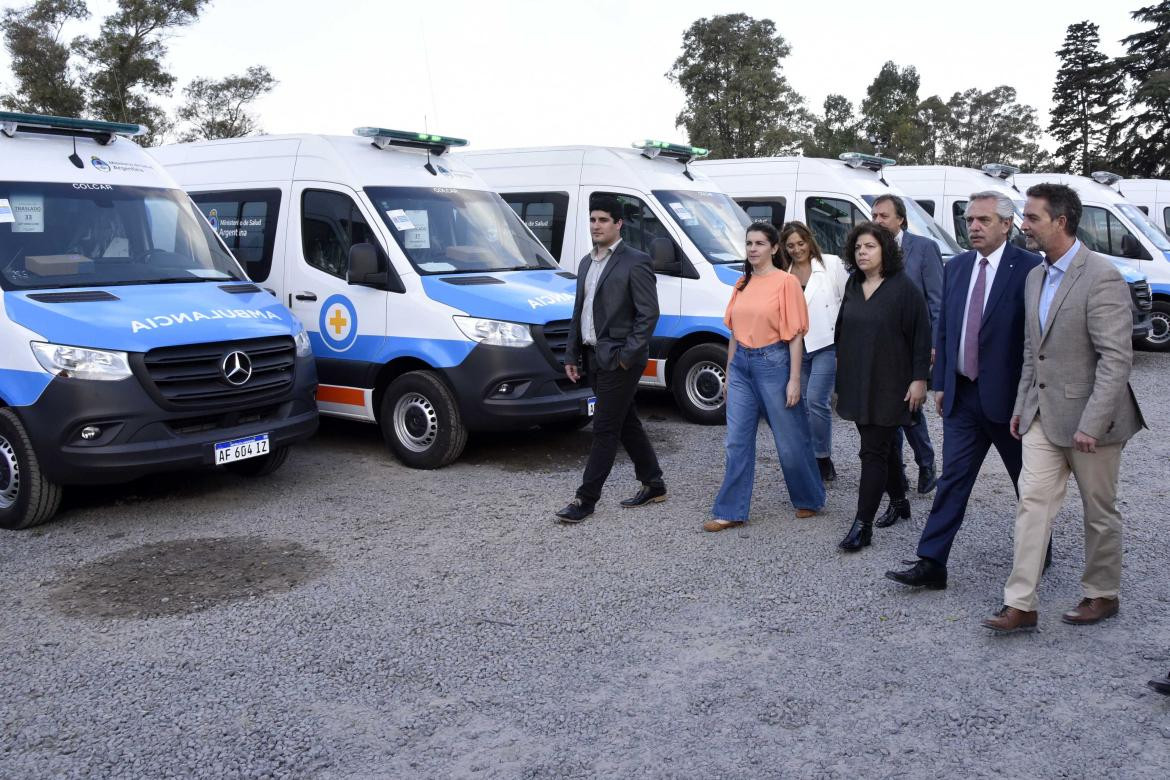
(1074, 409)
(923, 264)
(614, 314)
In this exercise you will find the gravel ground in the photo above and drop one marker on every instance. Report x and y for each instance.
(350, 618)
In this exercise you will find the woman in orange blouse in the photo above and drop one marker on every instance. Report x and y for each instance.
(768, 317)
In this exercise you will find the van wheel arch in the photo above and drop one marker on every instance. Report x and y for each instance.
(419, 416)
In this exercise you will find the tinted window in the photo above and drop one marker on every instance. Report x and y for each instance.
(764, 210)
(246, 221)
(1101, 231)
(927, 206)
(544, 213)
(1166, 218)
(640, 225)
(330, 225)
(830, 221)
(959, 210)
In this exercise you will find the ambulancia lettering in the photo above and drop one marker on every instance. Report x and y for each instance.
(548, 300)
(166, 320)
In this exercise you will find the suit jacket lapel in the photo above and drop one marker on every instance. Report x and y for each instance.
(609, 264)
(962, 285)
(1070, 277)
(1003, 274)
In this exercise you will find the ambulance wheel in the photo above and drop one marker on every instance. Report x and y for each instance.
(420, 421)
(1158, 339)
(26, 497)
(262, 466)
(697, 383)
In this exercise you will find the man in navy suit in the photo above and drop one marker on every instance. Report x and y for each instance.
(923, 264)
(979, 355)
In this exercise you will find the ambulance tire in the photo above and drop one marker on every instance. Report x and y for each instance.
(260, 467)
(697, 383)
(26, 497)
(1158, 339)
(421, 422)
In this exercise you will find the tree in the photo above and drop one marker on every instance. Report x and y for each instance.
(45, 82)
(219, 109)
(889, 112)
(1144, 137)
(738, 102)
(835, 131)
(1088, 95)
(127, 61)
(934, 120)
(986, 127)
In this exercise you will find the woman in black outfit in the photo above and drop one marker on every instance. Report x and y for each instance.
(883, 364)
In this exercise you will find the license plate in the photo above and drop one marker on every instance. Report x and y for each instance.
(591, 404)
(241, 449)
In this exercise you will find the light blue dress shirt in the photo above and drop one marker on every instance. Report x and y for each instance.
(1053, 275)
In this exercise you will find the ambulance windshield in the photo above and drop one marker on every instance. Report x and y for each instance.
(920, 223)
(444, 231)
(98, 235)
(711, 220)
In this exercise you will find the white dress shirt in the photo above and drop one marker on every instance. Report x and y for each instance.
(992, 264)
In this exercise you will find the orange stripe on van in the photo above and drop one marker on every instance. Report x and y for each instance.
(651, 369)
(350, 396)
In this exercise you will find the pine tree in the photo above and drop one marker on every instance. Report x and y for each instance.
(1144, 137)
(1088, 94)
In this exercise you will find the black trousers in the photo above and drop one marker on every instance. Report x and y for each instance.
(615, 421)
(880, 473)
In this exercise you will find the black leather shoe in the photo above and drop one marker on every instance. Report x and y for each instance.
(927, 479)
(898, 509)
(575, 511)
(1161, 685)
(828, 471)
(860, 535)
(923, 574)
(649, 494)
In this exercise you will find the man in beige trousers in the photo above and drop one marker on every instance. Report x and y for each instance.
(1074, 409)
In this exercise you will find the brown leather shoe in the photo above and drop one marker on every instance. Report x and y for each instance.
(803, 513)
(714, 526)
(1009, 620)
(1091, 611)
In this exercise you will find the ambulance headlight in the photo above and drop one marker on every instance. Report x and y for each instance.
(495, 332)
(304, 348)
(81, 363)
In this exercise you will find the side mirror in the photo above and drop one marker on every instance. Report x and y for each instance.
(364, 268)
(1132, 250)
(665, 257)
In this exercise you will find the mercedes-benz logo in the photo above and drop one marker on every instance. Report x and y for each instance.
(236, 368)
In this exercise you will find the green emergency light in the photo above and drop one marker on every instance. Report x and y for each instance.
(383, 137)
(1105, 177)
(684, 152)
(1000, 170)
(871, 162)
(104, 132)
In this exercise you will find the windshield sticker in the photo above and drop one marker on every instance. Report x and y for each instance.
(437, 266)
(166, 320)
(681, 212)
(29, 213)
(208, 273)
(399, 219)
(420, 236)
(6, 211)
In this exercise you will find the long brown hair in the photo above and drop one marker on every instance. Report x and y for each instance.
(773, 236)
(800, 229)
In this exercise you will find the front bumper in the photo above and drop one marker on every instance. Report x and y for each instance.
(138, 437)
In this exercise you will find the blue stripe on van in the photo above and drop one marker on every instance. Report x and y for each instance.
(22, 388)
(438, 353)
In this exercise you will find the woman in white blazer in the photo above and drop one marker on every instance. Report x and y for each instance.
(823, 279)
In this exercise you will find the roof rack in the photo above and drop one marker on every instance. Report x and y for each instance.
(102, 132)
(383, 137)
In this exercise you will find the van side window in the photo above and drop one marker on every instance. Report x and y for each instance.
(830, 221)
(330, 224)
(1102, 232)
(1166, 218)
(959, 210)
(246, 221)
(640, 225)
(760, 210)
(927, 206)
(544, 213)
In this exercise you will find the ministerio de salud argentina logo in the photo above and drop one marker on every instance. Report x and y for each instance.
(99, 164)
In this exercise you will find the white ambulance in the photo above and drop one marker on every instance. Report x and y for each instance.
(431, 308)
(830, 196)
(1115, 227)
(133, 342)
(1151, 196)
(943, 191)
(693, 232)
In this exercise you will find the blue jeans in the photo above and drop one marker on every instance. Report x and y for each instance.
(818, 371)
(756, 384)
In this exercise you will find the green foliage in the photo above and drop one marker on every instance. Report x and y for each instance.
(738, 102)
(835, 131)
(991, 126)
(1143, 138)
(890, 112)
(219, 109)
(45, 82)
(127, 62)
(934, 121)
(1087, 97)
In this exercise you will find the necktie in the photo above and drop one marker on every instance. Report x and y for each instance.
(974, 317)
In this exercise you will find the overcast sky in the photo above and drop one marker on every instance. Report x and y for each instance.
(527, 72)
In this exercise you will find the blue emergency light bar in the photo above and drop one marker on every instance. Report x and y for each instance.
(684, 152)
(1105, 177)
(871, 162)
(11, 121)
(383, 137)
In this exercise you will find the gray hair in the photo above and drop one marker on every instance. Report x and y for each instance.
(1005, 209)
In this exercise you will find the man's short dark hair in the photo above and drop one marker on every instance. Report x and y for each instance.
(899, 206)
(607, 203)
(1060, 201)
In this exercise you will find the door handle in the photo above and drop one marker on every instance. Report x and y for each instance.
(305, 296)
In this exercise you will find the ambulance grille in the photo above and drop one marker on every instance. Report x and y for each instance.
(554, 340)
(1141, 295)
(191, 376)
